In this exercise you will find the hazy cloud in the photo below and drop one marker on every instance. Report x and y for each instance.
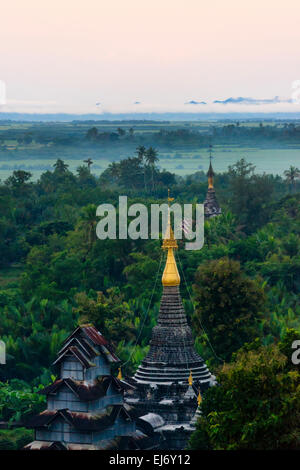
(195, 102)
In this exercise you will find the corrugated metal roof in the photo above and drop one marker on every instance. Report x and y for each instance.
(94, 335)
(82, 358)
(87, 336)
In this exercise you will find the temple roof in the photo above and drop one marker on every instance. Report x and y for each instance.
(85, 343)
(172, 355)
(137, 440)
(80, 421)
(86, 391)
(211, 205)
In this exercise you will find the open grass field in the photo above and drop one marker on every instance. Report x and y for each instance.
(181, 157)
(273, 161)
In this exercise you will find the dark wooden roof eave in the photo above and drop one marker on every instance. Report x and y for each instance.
(80, 421)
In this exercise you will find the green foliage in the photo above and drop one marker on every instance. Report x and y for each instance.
(256, 405)
(18, 400)
(109, 313)
(33, 332)
(228, 305)
(131, 355)
(15, 439)
(54, 273)
(140, 275)
(251, 195)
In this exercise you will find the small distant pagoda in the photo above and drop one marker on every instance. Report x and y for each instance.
(211, 205)
(169, 379)
(85, 406)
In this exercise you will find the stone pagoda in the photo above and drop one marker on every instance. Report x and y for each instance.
(85, 405)
(211, 205)
(169, 379)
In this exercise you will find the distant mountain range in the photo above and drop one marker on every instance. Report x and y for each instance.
(245, 100)
(255, 101)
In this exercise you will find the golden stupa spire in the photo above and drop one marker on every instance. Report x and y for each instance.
(170, 275)
(199, 398)
(190, 379)
(119, 376)
(210, 173)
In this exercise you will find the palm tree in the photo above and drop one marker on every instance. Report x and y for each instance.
(89, 222)
(141, 154)
(89, 162)
(114, 170)
(292, 174)
(60, 166)
(151, 159)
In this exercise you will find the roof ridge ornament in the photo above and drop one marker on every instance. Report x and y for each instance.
(199, 398)
(119, 376)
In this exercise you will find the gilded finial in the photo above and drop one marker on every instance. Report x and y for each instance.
(190, 379)
(170, 275)
(170, 199)
(119, 376)
(210, 173)
(199, 398)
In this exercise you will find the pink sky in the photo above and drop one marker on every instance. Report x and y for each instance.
(68, 55)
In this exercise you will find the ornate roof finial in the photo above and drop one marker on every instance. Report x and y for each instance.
(119, 376)
(210, 152)
(210, 172)
(170, 199)
(199, 398)
(170, 275)
(190, 379)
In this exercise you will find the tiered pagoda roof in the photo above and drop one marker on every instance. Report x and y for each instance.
(172, 356)
(85, 406)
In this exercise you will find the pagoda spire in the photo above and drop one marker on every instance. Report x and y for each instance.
(171, 357)
(210, 173)
(211, 205)
(165, 381)
(170, 275)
